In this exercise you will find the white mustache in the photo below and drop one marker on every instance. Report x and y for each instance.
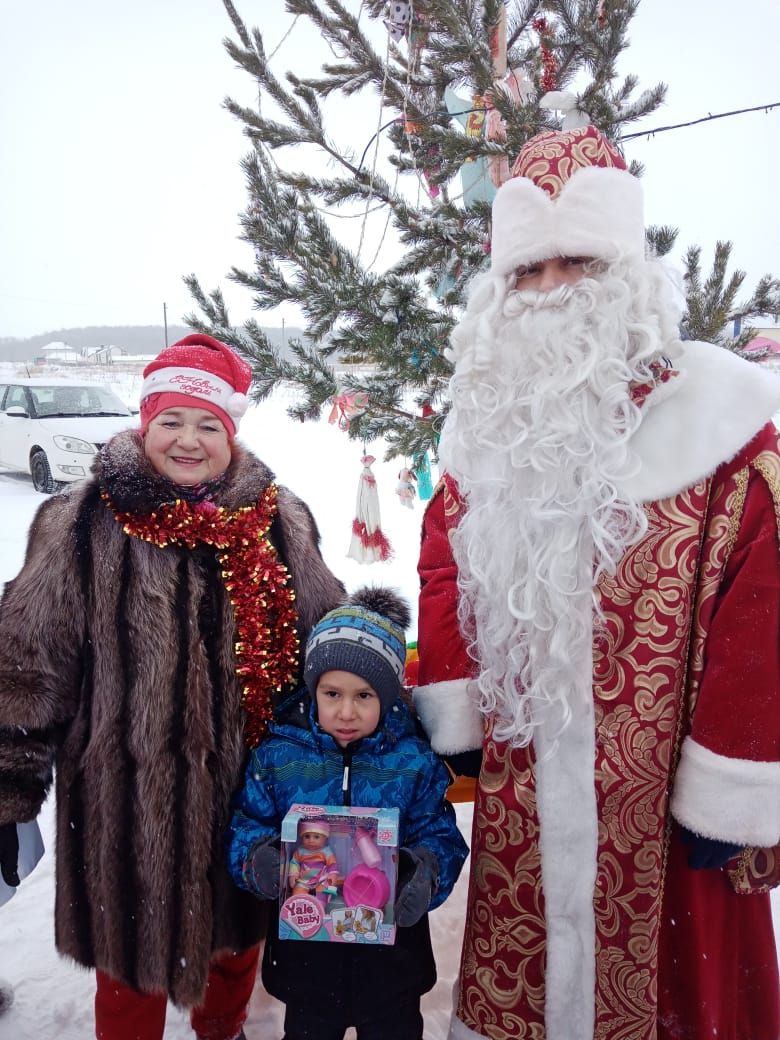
(519, 299)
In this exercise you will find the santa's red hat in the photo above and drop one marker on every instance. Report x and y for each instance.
(197, 372)
(569, 194)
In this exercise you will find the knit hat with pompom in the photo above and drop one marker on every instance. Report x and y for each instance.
(197, 372)
(365, 636)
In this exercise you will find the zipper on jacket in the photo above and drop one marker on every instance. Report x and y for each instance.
(346, 778)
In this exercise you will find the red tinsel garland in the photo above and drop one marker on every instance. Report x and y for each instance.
(256, 582)
(549, 64)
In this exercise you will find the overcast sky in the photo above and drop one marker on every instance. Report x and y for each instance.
(119, 167)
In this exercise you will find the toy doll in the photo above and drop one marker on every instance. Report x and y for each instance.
(313, 868)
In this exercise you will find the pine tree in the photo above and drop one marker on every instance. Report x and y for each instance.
(388, 328)
(711, 304)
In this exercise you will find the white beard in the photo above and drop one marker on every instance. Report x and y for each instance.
(538, 440)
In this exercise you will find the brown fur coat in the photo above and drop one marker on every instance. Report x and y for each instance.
(117, 669)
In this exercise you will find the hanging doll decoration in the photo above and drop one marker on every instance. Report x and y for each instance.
(405, 489)
(369, 543)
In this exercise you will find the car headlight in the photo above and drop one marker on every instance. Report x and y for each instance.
(74, 444)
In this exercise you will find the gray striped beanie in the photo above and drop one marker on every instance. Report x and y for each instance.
(364, 636)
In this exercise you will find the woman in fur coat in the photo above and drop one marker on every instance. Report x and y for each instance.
(155, 622)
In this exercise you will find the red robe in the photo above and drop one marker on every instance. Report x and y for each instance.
(686, 672)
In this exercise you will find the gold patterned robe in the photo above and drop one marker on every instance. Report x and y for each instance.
(686, 669)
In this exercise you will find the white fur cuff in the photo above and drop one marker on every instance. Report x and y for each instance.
(459, 1031)
(449, 716)
(732, 799)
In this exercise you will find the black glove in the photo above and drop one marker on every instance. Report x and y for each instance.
(465, 763)
(707, 853)
(418, 879)
(9, 854)
(261, 870)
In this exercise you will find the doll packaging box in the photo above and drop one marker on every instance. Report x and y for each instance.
(339, 869)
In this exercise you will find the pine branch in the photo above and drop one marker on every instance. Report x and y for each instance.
(384, 332)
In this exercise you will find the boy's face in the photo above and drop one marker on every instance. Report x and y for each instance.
(347, 707)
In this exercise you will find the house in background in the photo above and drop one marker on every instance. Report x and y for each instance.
(105, 354)
(57, 352)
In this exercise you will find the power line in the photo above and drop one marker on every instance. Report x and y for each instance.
(625, 137)
(704, 119)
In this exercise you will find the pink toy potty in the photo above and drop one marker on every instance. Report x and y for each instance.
(366, 886)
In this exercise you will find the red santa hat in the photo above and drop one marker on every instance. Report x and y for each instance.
(197, 372)
(569, 194)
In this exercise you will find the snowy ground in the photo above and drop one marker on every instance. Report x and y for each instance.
(53, 999)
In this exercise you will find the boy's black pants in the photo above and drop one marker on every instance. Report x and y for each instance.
(404, 1023)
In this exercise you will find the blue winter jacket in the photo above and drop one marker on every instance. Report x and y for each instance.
(393, 767)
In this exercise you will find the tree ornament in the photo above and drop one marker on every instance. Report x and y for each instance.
(498, 44)
(399, 15)
(418, 37)
(346, 407)
(517, 86)
(475, 179)
(369, 543)
(549, 64)
(422, 471)
(405, 488)
(429, 412)
(565, 102)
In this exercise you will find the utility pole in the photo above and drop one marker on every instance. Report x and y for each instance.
(165, 322)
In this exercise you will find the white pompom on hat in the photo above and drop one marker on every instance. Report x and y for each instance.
(199, 372)
(569, 194)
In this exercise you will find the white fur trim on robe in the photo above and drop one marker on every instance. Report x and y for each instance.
(730, 799)
(459, 1031)
(450, 716)
(719, 404)
(568, 844)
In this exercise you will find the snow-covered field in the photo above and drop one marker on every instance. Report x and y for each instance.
(53, 999)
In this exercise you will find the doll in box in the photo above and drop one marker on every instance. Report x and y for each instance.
(313, 868)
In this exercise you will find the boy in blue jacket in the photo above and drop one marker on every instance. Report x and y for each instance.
(348, 739)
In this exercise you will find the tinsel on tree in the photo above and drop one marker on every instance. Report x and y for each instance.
(462, 84)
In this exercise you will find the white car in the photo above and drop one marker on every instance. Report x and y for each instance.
(52, 428)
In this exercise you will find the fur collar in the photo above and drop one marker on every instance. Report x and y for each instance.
(701, 419)
(135, 486)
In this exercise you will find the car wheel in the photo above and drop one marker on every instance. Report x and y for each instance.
(41, 474)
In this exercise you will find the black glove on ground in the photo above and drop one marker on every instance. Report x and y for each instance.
(418, 878)
(261, 871)
(707, 853)
(9, 854)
